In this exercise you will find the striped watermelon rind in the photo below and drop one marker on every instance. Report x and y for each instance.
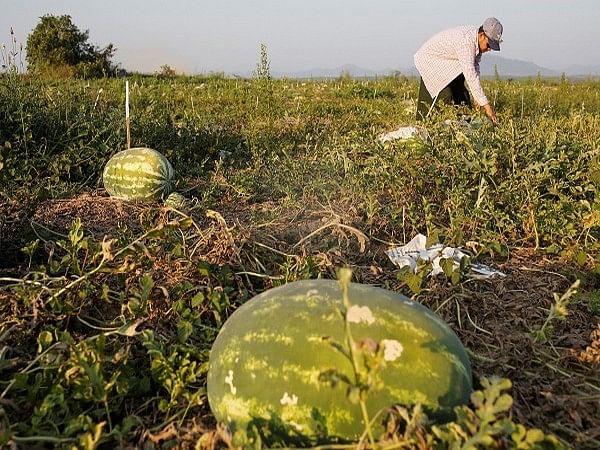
(177, 201)
(265, 364)
(138, 174)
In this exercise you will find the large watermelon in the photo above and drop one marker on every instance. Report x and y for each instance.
(265, 365)
(138, 174)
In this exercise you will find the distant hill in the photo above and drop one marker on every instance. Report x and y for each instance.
(513, 67)
(506, 67)
(334, 72)
(347, 69)
(581, 70)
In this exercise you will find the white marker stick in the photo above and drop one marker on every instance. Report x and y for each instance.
(127, 126)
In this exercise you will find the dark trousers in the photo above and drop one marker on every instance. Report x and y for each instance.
(455, 93)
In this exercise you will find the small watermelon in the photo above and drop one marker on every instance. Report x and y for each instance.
(177, 201)
(267, 363)
(138, 174)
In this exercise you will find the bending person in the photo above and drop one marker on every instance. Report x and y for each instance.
(449, 66)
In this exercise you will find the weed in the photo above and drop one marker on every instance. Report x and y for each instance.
(593, 302)
(558, 311)
(263, 68)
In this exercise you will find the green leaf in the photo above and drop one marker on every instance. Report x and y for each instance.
(581, 258)
(184, 330)
(413, 281)
(519, 433)
(89, 440)
(204, 268)
(197, 300)
(76, 233)
(447, 265)
(104, 293)
(337, 346)
(455, 278)
(146, 284)
(503, 404)
(129, 329)
(554, 249)
(44, 340)
(186, 223)
(433, 238)
(534, 436)
(542, 335)
(333, 377)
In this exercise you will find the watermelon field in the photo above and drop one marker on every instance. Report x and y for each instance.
(109, 308)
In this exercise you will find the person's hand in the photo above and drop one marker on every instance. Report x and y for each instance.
(490, 113)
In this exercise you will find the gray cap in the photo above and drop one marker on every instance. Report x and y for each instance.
(493, 30)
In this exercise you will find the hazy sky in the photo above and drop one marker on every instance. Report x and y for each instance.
(225, 35)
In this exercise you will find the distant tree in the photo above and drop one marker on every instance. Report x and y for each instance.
(166, 71)
(57, 46)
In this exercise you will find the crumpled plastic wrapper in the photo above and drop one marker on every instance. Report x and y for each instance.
(409, 254)
(405, 133)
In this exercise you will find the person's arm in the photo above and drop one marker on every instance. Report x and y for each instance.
(470, 68)
(489, 111)
(476, 64)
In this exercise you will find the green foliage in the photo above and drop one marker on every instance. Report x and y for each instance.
(488, 423)
(263, 67)
(593, 302)
(558, 311)
(530, 181)
(415, 280)
(166, 71)
(57, 47)
(177, 370)
(11, 57)
(76, 369)
(86, 370)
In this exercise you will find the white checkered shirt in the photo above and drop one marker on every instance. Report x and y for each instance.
(448, 54)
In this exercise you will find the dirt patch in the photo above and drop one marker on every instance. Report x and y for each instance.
(100, 214)
(52, 219)
(552, 389)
